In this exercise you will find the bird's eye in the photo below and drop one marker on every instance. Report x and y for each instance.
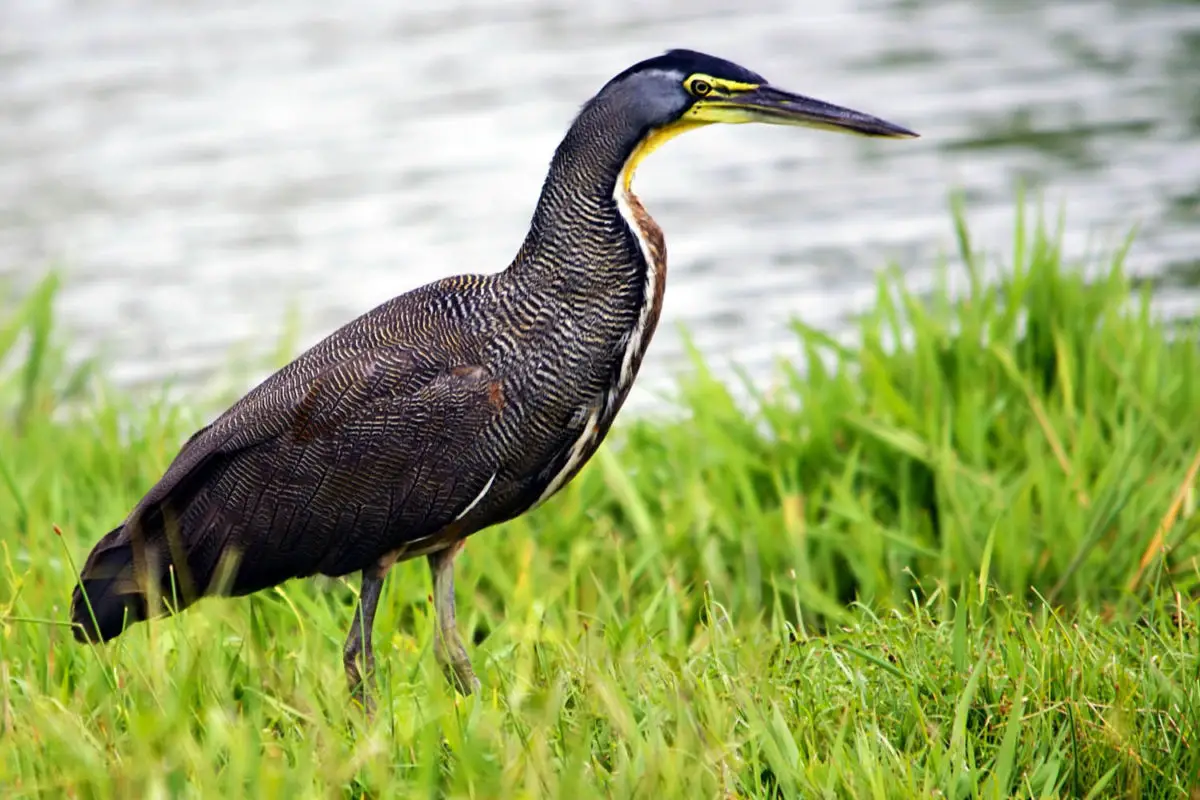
(701, 88)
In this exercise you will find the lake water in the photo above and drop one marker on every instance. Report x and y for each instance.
(198, 168)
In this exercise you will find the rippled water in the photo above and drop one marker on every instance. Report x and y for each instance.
(198, 167)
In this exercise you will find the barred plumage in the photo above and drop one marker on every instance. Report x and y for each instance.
(446, 410)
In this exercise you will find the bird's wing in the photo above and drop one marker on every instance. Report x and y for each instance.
(345, 454)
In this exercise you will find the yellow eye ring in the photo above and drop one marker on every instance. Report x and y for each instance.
(701, 88)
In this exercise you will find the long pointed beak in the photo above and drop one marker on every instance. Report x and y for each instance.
(775, 106)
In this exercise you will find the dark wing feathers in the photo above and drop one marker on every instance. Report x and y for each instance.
(353, 450)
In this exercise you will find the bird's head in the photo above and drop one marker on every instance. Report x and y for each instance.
(682, 89)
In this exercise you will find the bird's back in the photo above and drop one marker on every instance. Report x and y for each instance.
(368, 439)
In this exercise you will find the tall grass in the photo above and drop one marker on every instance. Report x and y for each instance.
(955, 558)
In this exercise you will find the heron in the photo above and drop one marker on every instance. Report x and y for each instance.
(449, 409)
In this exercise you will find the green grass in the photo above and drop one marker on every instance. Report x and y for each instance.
(954, 559)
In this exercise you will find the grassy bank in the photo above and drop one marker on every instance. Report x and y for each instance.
(958, 557)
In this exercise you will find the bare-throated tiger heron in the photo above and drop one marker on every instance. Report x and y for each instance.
(448, 409)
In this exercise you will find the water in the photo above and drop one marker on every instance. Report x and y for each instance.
(197, 168)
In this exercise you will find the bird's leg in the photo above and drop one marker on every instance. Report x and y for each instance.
(359, 641)
(448, 646)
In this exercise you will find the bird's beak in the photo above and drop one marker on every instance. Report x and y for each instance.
(775, 106)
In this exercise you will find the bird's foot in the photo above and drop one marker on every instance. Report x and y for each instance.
(361, 688)
(456, 666)
(365, 701)
(362, 696)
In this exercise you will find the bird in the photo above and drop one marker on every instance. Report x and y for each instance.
(449, 409)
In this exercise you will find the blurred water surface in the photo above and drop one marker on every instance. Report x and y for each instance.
(196, 168)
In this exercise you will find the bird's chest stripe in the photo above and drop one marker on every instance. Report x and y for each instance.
(654, 257)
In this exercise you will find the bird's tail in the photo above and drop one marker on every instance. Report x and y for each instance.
(112, 590)
(109, 595)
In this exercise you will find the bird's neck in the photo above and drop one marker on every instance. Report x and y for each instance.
(603, 261)
(588, 230)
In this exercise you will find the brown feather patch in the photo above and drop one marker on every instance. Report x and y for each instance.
(496, 396)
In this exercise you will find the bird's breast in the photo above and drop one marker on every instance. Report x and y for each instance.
(609, 357)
